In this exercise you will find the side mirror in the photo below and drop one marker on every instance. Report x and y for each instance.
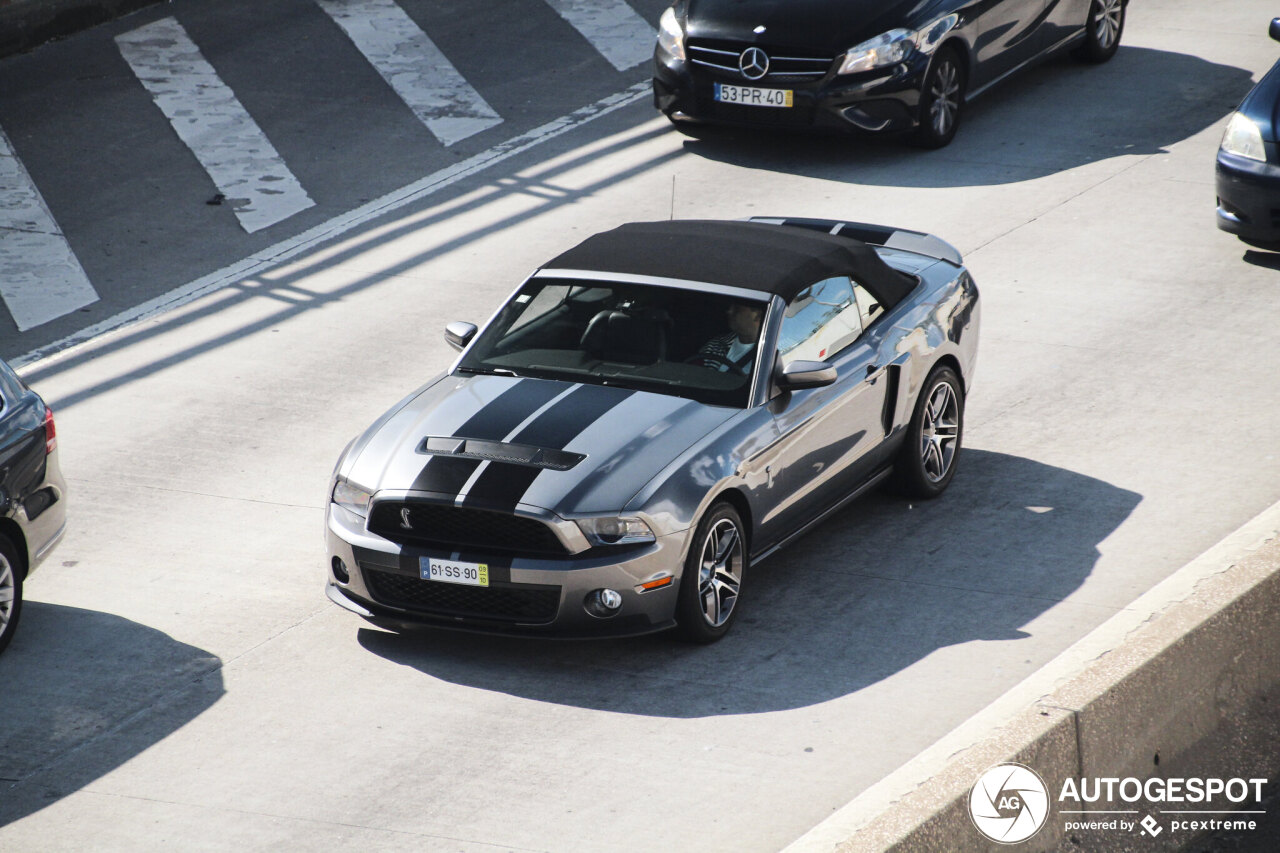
(1275, 29)
(459, 334)
(805, 374)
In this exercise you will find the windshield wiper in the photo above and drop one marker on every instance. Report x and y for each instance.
(488, 371)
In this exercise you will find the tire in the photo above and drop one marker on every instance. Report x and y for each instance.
(713, 572)
(941, 100)
(1102, 31)
(927, 461)
(10, 591)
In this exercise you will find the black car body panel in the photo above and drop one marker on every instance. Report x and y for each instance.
(1249, 190)
(816, 24)
(993, 38)
(32, 492)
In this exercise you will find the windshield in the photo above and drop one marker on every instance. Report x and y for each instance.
(664, 339)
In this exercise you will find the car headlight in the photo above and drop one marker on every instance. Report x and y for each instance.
(670, 36)
(351, 497)
(885, 49)
(1244, 138)
(615, 531)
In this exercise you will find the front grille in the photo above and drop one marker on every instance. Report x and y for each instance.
(453, 527)
(509, 603)
(783, 62)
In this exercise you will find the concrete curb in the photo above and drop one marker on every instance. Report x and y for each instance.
(1176, 685)
(24, 24)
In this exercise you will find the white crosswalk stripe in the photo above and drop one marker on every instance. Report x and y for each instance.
(613, 28)
(40, 277)
(414, 67)
(207, 116)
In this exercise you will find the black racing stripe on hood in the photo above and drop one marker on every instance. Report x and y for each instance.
(501, 486)
(445, 474)
(448, 474)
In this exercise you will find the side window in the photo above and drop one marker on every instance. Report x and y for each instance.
(869, 308)
(822, 320)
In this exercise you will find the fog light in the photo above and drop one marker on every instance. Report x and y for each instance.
(603, 603)
(340, 571)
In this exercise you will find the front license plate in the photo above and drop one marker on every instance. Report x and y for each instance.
(454, 571)
(753, 97)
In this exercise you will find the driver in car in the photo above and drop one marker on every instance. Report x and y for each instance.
(735, 349)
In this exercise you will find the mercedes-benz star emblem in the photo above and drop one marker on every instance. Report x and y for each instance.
(754, 63)
(404, 519)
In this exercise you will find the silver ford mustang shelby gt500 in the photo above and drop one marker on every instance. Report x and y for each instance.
(646, 418)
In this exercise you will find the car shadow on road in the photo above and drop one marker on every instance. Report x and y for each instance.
(1266, 260)
(875, 589)
(1056, 117)
(82, 692)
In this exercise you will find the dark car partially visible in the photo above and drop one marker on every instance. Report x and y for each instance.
(1248, 171)
(866, 66)
(32, 490)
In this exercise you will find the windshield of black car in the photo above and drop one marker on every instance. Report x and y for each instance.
(669, 340)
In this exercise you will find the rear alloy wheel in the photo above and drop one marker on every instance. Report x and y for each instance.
(713, 572)
(927, 461)
(941, 100)
(1102, 31)
(10, 592)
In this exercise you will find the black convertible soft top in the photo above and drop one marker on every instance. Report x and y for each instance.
(759, 256)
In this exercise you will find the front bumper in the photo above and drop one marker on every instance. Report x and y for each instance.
(525, 596)
(1248, 198)
(882, 101)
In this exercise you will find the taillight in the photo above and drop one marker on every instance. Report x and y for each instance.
(50, 432)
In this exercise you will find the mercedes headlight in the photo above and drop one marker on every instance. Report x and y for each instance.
(670, 36)
(615, 531)
(1244, 138)
(351, 497)
(896, 45)
(885, 49)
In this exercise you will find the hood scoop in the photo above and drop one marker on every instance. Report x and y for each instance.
(498, 451)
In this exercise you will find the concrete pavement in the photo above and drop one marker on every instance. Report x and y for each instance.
(180, 682)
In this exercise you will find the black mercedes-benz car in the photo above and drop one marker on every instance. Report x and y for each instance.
(870, 66)
(1248, 170)
(646, 418)
(32, 511)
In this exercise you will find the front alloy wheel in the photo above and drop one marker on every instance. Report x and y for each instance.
(713, 575)
(941, 100)
(1102, 31)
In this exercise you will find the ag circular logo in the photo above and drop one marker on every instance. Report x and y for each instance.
(1009, 803)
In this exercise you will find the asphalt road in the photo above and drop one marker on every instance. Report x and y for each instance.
(180, 682)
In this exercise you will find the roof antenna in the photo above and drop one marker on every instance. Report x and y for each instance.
(672, 214)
